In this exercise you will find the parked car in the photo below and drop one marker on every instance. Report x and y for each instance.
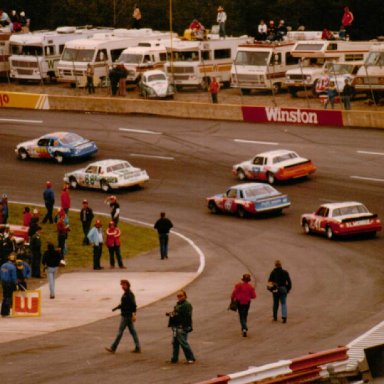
(281, 164)
(341, 219)
(155, 84)
(248, 199)
(56, 145)
(106, 175)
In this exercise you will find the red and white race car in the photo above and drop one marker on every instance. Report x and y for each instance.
(280, 164)
(341, 219)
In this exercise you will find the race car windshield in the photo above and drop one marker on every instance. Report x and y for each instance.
(156, 77)
(350, 210)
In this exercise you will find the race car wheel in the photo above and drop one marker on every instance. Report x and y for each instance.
(241, 212)
(270, 178)
(306, 228)
(329, 233)
(23, 155)
(104, 186)
(241, 174)
(73, 182)
(212, 207)
(59, 157)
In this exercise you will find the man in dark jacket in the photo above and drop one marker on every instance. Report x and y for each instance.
(128, 317)
(8, 279)
(49, 201)
(181, 324)
(35, 246)
(279, 283)
(86, 217)
(163, 226)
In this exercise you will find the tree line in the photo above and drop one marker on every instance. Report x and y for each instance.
(243, 15)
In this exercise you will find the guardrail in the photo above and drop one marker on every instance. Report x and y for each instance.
(301, 369)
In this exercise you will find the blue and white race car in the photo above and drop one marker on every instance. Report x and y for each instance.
(56, 145)
(248, 199)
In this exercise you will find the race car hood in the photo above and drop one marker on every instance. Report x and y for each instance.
(28, 143)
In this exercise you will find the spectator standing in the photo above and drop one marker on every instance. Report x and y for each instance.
(5, 208)
(331, 94)
(213, 89)
(51, 261)
(25, 23)
(90, 73)
(49, 201)
(114, 207)
(348, 92)
(86, 217)
(35, 246)
(4, 19)
(262, 30)
(180, 320)
(27, 216)
(136, 17)
(221, 19)
(23, 273)
(34, 223)
(114, 78)
(347, 20)
(95, 236)
(62, 231)
(8, 279)
(243, 293)
(123, 73)
(281, 30)
(113, 242)
(128, 309)
(65, 199)
(271, 31)
(15, 20)
(163, 226)
(279, 283)
(7, 244)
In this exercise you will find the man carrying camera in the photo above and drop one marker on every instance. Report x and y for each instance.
(180, 320)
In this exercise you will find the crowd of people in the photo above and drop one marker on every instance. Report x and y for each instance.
(16, 21)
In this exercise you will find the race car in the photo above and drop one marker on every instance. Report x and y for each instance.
(280, 165)
(248, 199)
(56, 145)
(106, 175)
(341, 219)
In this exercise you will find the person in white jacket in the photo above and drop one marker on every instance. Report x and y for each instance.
(221, 19)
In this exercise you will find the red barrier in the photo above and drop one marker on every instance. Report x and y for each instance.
(320, 358)
(221, 379)
(295, 378)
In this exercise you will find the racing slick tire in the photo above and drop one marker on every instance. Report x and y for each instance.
(22, 154)
(329, 233)
(213, 207)
(73, 182)
(306, 228)
(241, 174)
(58, 157)
(270, 178)
(104, 186)
(241, 212)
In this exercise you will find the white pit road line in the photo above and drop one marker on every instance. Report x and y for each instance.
(255, 142)
(152, 156)
(140, 131)
(367, 178)
(21, 121)
(371, 153)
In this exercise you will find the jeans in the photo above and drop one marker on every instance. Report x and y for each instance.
(347, 102)
(86, 228)
(126, 322)
(243, 315)
(163, 237)
(222, 29)
(280, 297)
(214, 98)
(180, 338)
(6, 305)
(112, 252)
(48, 216)
(97, 252)
(51, 272)
(90, 85)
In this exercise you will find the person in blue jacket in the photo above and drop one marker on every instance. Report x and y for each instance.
(23, 273)
(95, 237)
(8, 282)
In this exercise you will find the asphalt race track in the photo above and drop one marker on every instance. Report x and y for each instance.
(338, 290)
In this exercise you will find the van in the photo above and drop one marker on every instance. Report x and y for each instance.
(262, 66)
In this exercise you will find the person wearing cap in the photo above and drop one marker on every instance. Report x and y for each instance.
(5, 208)
(243, 293)
(281, 30)
(271, 31)
(7, 244)
(25, 22)
(95, 237)
(86, 217)
(128, 308)
(279, 283)
(163, 225)
(23, 273)
(49, 201)
(65, 198)
(34, 223)
(221, 19)
(113, 242)
(27, 216)
(8, 279)
(115, 208)
(35, 246)
(51, 261)
(62, 230)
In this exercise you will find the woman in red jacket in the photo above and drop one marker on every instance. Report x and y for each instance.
(113, 243)
(243, 293)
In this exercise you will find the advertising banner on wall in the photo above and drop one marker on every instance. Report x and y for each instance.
(23, 100)
(313, 117)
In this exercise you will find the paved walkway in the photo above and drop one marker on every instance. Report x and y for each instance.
(82, 298)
